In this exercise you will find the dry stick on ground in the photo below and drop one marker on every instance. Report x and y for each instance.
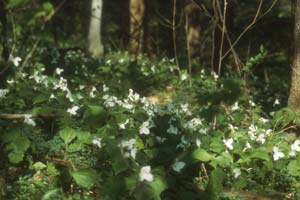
(23, 116)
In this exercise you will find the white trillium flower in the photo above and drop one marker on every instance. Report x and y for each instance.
(178, 166)
(144, 128)
(15, 60)
(145, 174)
(295, 147)
(263, 120)
(261, 138)
(28, 120)
(236, 172)
(105, 88)
(123, 125)
(97, 142)
(277, 153)
(3, 92)
(276, 102)
(184, 77)
(59, 70)
(248, 146)
(73, 110)
(52, 96)
(216, 76)
(228, 143)
(235, 106)
(92, 95)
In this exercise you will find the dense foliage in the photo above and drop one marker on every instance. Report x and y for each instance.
(142, 127)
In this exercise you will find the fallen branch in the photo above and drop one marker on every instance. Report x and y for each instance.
(23, 116)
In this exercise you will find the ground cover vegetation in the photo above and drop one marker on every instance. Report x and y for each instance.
(149, 100)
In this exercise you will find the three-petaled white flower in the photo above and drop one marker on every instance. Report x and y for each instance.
(3, 92)
(59, 71)
(235, 106)
(123, 125)
(236, 172)
(145, 174)
(97, 142)
(16, 60)
(144, 128)
(277, 153)
(228, 143)
(28, 120)
(73, 110)
(295, 147)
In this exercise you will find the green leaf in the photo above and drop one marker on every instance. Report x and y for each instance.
(85, 178)
(158, 186)
(67, 135)
(74, 147)
(215, 184)
(294, 168)
(39, 166)
(50, 193)
(202, 155)
(16, 3)
(16, 157)
(95, 116)
(260, 153)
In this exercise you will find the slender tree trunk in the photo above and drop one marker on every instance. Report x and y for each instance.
(95, 46)
(294, 97)
(137, 15)
(193, 29)
(3, 19)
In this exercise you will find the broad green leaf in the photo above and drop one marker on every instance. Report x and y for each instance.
(74, 147)
(15, 157)
(85, 178)
(50, 193)
(260, 153)
(16, 3)
(67, 135)
(39, 166)
(202, 155)
(294, 168)
(158, 186)
(95, 116)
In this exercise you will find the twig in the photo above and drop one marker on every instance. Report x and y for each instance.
(246, 29)
(223, 32)
(66, 163)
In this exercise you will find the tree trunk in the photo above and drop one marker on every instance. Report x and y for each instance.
(137, 15)
(193, 29)
(95, 44)
(3, 19)
(294, 97)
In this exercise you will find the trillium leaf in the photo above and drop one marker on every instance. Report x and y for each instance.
(202, 155)
(294, 168)
(67, 135)
(94, 116)
(16, 157)
(85, 178)
(158, 186)
(39, 166)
